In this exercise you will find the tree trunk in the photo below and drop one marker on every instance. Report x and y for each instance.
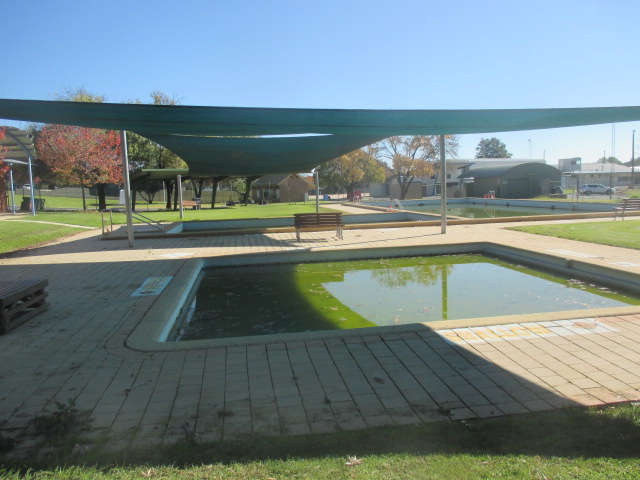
(350, 190)
(169, 190)
(216, 181)
(84, 197)
(102, 198)
(197, 187)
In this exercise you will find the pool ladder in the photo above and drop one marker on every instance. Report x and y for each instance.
(398, 204)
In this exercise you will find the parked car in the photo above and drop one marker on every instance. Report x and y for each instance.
(589, 188)
(26, 186)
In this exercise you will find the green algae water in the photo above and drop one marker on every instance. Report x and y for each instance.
(262, 300)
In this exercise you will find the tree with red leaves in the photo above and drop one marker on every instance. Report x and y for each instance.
(80, 155)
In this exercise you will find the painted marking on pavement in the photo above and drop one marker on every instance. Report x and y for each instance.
(517, 331)
(625, 264)
(176, 255)
(570, 253)
(152, 286)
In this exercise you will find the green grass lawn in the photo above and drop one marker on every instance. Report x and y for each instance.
(618, 234)
(18, 235)
(27, 232)
(596, 443)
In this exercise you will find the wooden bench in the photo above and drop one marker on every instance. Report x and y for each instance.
(309, 222)
(19, 301)
(628, 204)
(195, 204)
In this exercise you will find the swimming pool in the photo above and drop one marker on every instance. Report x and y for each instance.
(277, 299)
(173, 303)
(473, 208)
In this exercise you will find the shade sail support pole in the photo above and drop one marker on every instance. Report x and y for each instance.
(127, 186)
(317, 190)
(443, 187)
(13, 196)
(179, 193)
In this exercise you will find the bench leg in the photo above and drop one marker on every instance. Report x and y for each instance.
(339, 232)
(297, 235)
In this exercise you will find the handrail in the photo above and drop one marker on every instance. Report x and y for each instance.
(398, 204)
(138, 216)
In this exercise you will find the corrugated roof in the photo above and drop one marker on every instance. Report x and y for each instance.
(274, 179)
(499, 170)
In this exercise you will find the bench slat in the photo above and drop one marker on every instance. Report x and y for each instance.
(317, 221)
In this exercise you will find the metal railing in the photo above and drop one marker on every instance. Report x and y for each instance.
(108, 228)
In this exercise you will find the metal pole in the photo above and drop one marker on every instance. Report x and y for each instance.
(443, 187)
(179, 191)
(33, 201)
(13, 195)
(127, 186)
(317, 191)
(633, 154)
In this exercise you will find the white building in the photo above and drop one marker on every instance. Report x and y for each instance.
(576, 173)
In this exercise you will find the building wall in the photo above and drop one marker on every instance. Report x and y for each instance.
(292, 189)
(521, 181)
(414, 191)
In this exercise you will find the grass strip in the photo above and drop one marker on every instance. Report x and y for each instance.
(592, 443)
(18, 235)
(624, 234)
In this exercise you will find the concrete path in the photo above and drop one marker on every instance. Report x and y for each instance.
(76, 351)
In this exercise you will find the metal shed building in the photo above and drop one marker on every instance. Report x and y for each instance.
(509, 180)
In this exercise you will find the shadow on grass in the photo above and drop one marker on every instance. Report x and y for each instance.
(612, 432)
(573, 433)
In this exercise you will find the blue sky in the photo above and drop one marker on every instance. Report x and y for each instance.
(396, 54)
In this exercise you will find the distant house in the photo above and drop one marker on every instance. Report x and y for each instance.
(284, 187)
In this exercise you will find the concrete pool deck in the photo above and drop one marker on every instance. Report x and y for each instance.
(76, 351)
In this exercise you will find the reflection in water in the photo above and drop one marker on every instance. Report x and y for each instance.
(464, 287)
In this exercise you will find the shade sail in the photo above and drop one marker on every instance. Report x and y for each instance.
(235, 121)
(258, 156)
(189, 131)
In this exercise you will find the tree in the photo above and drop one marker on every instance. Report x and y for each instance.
(491, 148)
(609, 160)
(413, 157)
(84, 156)
(351, 170)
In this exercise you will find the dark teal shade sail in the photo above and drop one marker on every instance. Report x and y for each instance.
(190, 131)
(235, 121)
(236, 156)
